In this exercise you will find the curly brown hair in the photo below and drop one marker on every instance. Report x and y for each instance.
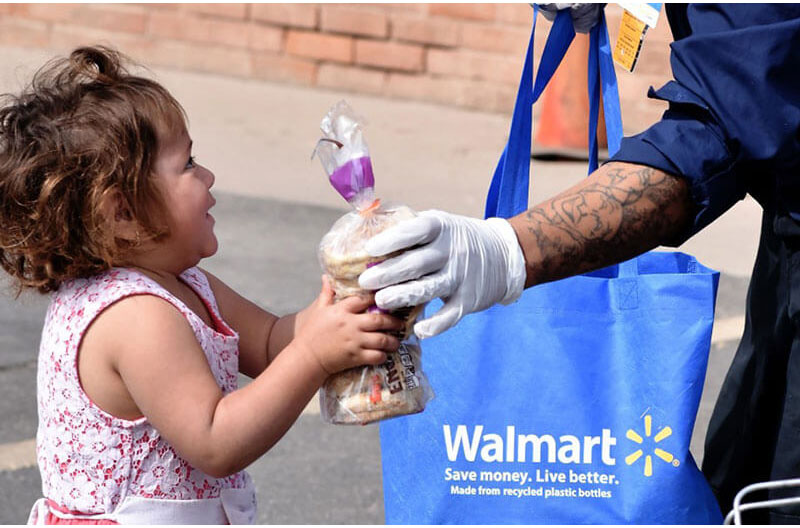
(83, 131)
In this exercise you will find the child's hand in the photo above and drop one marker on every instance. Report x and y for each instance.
(341, 336)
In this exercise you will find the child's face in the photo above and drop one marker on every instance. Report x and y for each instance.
(185, 186)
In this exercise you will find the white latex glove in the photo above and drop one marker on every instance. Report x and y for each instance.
(471, 264)
(584, 16)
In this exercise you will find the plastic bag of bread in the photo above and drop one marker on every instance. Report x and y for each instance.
(364, 394)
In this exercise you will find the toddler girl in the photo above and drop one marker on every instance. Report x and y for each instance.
(103, 206)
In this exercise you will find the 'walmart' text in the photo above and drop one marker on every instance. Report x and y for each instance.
(491, 447)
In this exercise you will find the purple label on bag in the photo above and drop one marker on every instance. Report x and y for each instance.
(352, 177)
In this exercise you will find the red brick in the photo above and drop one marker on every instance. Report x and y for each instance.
(520, 14)
(16, 31)
(390, 55)
(66, 37)
(274, 67)
(538, 45)
(452, 91)
(351, 79)
(184, 26)
(475, 65)
(488, 96)
(293, 15)
(220, 59)
(464, 11)
(125, 18)
(417, 86)
(171, 54)
(230, 33)
(160, 7)
(634, 86)
(638, 111)
(496, 38)
(53, 12)
(179, 26)
(264, 38)
(399, 8)
(5, 8)
(319, 46)
(435, 31)
(237, 11)
(426, 88)
(542, 32)
(654, 59)
(129, 19)
(202, 58)
(354, 21)
(441, 62)
(639, 116)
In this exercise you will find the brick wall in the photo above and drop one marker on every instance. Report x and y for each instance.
(467, 55)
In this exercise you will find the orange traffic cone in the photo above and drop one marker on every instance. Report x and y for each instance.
(562, 131)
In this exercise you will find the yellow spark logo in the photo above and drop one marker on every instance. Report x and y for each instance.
(660, 453)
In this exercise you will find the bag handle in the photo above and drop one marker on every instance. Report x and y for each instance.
(508, 192)
(600, 58)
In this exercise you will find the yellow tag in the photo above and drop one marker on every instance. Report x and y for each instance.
(629, 41)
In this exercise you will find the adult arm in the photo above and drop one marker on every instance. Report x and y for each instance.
(620, 211)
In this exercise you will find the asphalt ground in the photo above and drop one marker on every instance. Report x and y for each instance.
(273, 206)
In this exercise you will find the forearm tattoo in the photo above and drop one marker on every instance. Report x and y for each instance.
(618, 212)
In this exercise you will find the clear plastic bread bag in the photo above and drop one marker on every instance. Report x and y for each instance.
(397, 387)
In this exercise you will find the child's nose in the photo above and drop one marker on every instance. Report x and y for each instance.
(209, 177)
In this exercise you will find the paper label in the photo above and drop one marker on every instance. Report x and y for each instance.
(409, 370)
(643, 11)
(629, 41)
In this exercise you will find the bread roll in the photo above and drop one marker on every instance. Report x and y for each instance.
(367, 394)
(370, 393)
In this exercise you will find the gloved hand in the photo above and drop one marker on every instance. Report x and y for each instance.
(584, 16)
(471, 264)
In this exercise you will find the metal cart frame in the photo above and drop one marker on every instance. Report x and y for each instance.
(735, 515)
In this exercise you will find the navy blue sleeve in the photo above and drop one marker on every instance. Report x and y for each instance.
(733, 122)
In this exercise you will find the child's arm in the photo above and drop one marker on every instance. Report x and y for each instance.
(262, 335)
(167, 377)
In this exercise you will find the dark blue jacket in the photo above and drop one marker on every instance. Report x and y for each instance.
(733, 123)
(733, 128)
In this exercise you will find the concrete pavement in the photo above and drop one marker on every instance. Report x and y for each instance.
(274, 204)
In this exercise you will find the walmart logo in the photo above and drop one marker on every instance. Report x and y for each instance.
(657, 451)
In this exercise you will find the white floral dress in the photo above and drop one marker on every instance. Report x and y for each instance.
(97, 466)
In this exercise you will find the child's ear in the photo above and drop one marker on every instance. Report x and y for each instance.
(117, 212)
(122, 212)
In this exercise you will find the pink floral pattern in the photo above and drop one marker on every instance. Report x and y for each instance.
(89, 460)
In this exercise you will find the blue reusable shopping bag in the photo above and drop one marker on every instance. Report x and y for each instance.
(575, 404)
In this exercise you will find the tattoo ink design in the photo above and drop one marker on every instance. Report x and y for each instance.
(622, 211)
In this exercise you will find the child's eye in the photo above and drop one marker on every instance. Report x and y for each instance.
(190, 163)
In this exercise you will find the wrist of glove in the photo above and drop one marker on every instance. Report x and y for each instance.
(515, 259)
(471, 264)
